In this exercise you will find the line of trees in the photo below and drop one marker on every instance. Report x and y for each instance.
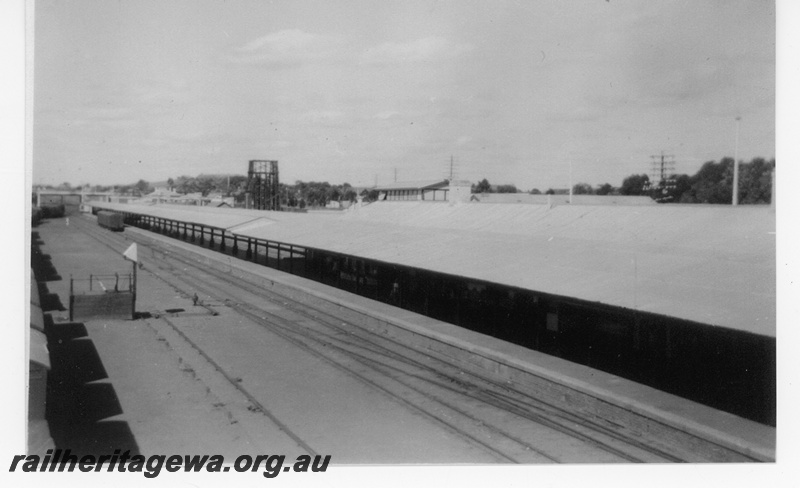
(317, 194)
(713, 183)
(139, 188)
(484, 186)
(227, 185)
(301, 194)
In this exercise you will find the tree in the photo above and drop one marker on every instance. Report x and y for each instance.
(350, 194)
(582, 189)
(371, 195)
(483, 186)
(185, 184)
(205, 185)
(550, 191)
(143, 187)
(237, 184)
(713, 183)
(506, 189)
(605, 189)
(535, 191)
(755, 181)
(673, 191)
(634, 185)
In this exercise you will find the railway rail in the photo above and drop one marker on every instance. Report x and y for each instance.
(510, 424)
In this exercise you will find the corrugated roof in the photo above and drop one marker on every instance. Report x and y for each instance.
(207, 216)
(711, 264)
(413, 185)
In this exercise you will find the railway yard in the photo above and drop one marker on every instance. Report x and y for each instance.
(230, 357)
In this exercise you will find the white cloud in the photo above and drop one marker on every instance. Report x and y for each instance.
(322, 116)
(426, 49)
(286, 47)
(386, 114)
(158, 91)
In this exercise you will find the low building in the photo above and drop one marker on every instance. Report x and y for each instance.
(161, 195)
(430, 190)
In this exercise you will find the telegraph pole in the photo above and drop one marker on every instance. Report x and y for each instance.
(663, 171)
(451, 167)
(736, 165)
(570, 181)
(663, 168)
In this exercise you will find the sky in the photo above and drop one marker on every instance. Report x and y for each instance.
(535, 94)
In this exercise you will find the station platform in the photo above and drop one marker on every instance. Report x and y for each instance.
(639, 409)
(117, 383)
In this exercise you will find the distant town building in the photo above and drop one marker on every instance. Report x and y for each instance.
(431, 190)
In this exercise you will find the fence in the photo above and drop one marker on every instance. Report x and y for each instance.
(102, 296)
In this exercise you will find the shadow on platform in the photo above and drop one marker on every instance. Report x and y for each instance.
(41, 263)
(79, 403)
(44, 271)
(49, 301)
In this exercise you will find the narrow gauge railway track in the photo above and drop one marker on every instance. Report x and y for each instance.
(428, 385)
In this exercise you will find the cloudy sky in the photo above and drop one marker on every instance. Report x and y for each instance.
(358, 91)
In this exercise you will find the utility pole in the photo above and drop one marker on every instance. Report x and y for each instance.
(570, 182)
(451, 167)
(663, 168)
(395, 175)
(736, 165)
(663, 171)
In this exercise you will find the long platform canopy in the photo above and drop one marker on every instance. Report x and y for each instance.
(706, 263)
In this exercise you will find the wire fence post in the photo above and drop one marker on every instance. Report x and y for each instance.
(71, 298)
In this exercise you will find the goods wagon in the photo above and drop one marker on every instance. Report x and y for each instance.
(110, 220)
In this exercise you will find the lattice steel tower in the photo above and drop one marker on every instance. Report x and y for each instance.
(662, 176)
(263, 190)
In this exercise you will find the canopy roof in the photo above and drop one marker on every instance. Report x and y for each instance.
(710, 264)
